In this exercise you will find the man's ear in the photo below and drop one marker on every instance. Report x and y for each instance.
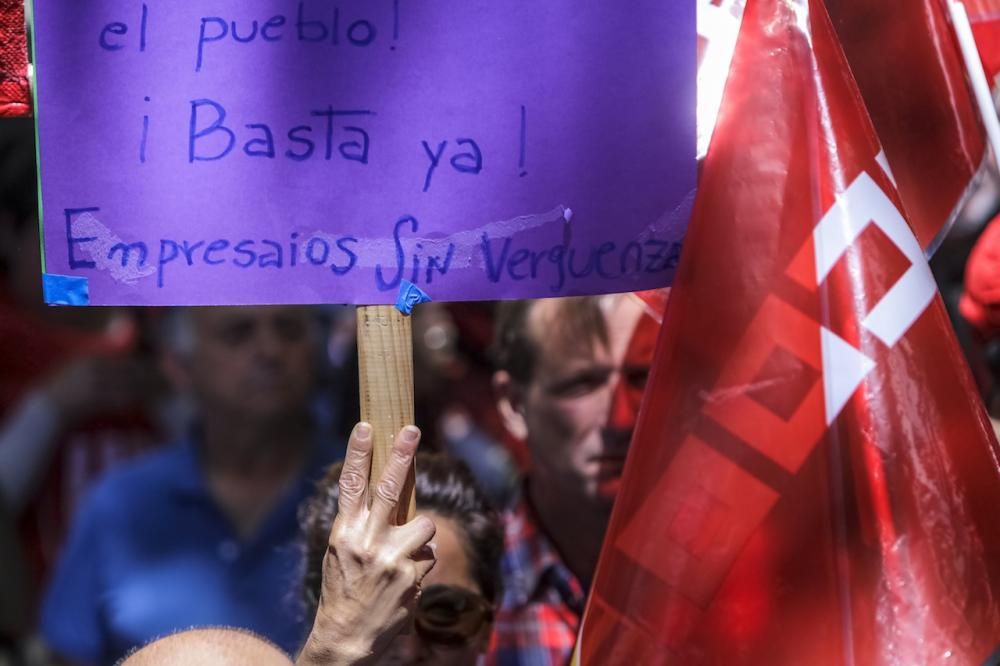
(510, 401)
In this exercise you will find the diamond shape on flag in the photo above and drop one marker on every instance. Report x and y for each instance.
(783, 383)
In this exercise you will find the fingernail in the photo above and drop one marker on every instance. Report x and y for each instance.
(363, 431)
(411, 434)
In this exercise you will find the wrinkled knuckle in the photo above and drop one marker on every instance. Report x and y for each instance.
(388, 565)
(401, 457)
(356, 458)
(339, 541)
(388, 490)
(367, 555)
(351, 483)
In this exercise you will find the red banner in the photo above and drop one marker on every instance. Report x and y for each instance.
(909, 67)
(813, 479)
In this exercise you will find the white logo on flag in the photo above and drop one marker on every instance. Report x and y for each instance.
(864, 203)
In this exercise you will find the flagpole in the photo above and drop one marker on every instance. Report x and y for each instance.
(977, 75)
(385, 377)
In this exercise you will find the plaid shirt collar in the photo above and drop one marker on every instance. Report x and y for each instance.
(531, 566)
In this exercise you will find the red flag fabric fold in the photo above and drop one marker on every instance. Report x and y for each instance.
(912, 77)
(909, 68)
(813, 479)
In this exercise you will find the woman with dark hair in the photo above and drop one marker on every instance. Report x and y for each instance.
(454, 613)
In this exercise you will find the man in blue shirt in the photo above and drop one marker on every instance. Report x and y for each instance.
(204, 532)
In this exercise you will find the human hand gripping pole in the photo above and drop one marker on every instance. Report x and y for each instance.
(372, 568)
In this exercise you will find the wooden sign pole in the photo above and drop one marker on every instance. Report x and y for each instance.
(385, 362)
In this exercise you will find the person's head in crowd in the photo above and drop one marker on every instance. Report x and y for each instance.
(252, 365)
(980, 301)
(209, 647)
(979, 306)
(570, 377)
(454, 613)
(214, 505)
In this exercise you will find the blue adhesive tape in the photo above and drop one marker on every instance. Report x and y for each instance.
(65, 289)
(410, 295)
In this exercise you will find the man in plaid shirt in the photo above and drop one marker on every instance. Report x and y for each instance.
(570, 376)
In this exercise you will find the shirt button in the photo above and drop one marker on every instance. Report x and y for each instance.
(228, 550)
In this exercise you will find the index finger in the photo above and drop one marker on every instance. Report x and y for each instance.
(354, 475)
(390, 485)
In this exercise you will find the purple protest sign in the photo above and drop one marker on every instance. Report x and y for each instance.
(256, 151)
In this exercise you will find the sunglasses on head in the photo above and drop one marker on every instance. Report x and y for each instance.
(451, 615)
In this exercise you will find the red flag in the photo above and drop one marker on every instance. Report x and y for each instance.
(984, 17)
(813, 479)
(14, 91)
(908, 65)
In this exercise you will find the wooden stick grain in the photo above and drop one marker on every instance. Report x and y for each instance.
(385, 367)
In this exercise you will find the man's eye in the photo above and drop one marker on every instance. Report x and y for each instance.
(579, 385)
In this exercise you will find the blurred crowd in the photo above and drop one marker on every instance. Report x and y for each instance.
(171, 468)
